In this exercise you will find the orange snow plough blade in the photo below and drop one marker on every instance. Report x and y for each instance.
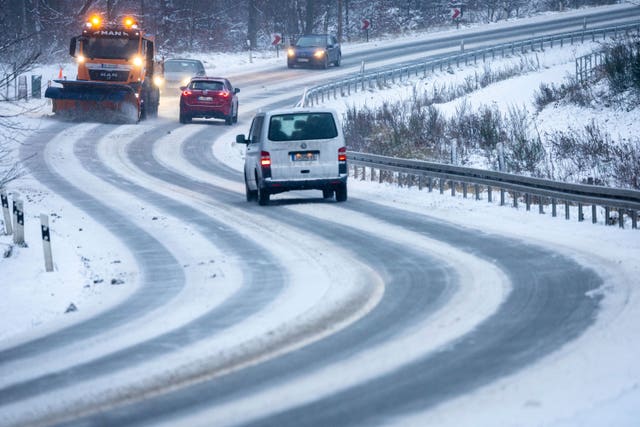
(87, 100)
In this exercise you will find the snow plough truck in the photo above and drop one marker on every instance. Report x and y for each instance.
(118, 76)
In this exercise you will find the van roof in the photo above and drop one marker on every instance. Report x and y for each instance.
(295, 110)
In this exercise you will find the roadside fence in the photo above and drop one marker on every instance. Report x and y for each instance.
(587, 65)
(17, 88)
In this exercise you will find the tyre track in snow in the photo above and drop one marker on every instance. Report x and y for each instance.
(409, 297)
(548, 307)
(247, 301)
(161, 275)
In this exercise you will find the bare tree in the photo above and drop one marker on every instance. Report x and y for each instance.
(18, 53)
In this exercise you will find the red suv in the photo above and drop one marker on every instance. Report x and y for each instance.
(209, 97)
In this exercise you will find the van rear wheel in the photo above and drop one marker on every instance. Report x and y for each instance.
(252, 195)
(341, 193)
(263, 196)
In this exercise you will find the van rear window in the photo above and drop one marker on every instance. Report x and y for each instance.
(302, 126)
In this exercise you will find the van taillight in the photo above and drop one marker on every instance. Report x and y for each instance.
(342, 160)
(265, 159)
(342, 154)
(265, 164)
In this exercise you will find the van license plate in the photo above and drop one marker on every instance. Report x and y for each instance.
(304, 156)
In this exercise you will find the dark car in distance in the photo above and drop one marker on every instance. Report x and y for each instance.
(209, 97)
(316, 50)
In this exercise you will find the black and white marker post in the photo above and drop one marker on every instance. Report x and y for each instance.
(18, 222)
(7, 215)
(46, 242)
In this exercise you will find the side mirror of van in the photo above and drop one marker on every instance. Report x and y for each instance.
(240, 139)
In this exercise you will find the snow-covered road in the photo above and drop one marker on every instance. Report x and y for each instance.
(399, 307)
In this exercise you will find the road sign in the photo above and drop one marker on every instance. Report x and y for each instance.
(366, 23)
(456, 13)
(277, 38)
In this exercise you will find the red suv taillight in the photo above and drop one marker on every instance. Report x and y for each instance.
(342, 160)
(186, 92)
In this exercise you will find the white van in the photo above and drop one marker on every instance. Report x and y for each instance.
(295, 149)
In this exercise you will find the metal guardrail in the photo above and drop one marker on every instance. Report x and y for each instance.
(530, 190)
(380, 77)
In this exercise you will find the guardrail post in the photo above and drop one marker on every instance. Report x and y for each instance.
(554, 208)
(515, 199)
(527, 201)
(7, 216)
(502, 197)
(464, 190)
(441, 182)
(566, 210)
(477, 190)
(634, 219)
(420, 184)
(541, 206)
(489, 194)
(580, 213)
(607, 214)
(594, 214)
(621, 217)
(430, 184)
(453, 187)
